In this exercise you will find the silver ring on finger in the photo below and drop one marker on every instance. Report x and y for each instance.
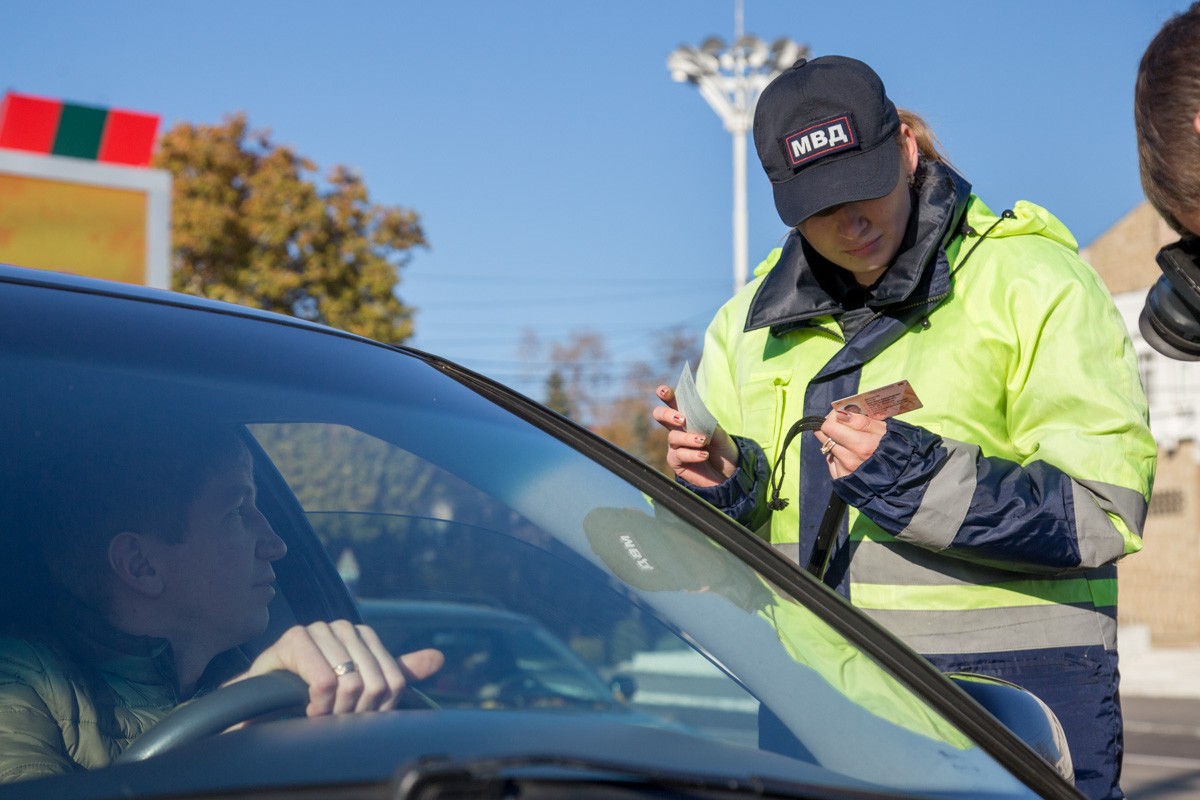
(345, 668)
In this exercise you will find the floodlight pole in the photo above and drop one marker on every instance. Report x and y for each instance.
(730, 79)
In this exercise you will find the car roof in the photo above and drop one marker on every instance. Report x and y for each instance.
(67, 281)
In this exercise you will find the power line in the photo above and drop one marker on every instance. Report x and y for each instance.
(534, 302)
(696, 321)
(509, 280)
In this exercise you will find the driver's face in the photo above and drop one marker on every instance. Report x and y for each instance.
(218, 579)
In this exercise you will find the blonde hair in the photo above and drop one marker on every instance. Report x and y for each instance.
(928, 145)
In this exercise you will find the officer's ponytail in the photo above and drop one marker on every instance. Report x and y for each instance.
(928, 145)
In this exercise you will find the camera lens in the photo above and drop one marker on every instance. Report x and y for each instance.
(1168, 324)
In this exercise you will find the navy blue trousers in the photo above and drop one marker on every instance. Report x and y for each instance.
(1080, 684)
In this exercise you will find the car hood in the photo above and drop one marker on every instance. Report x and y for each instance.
(409, 747)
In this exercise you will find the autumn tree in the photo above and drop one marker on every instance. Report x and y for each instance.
(251, 223)
(557, 398)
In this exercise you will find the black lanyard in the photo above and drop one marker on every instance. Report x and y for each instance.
(819, 559)
(818, 562)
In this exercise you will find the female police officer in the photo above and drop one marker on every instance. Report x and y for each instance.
(984, 527)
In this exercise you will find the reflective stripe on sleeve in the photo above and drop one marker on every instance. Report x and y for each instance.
(1101, 537)
(947, 499)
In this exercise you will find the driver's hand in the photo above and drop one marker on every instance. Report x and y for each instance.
(346, 667)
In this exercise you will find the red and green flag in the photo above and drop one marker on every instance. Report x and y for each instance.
(54, 127)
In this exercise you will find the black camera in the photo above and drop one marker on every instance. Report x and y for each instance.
(1170, 320)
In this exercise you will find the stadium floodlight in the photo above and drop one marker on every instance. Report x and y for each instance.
(730, 79)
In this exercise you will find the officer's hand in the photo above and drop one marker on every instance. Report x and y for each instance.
(699, 461)
(848, 440)
(346, 667)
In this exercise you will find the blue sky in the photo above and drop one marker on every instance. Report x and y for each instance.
(565, 183)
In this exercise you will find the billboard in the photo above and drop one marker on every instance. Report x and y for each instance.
(76, 194)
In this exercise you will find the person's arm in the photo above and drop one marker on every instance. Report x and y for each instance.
(1078, 499)
(31, 741)
(945, 496)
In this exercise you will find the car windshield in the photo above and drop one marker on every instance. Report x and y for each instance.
(551, 583)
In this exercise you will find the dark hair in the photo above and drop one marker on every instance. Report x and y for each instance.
(1166, 100)
(140, 477)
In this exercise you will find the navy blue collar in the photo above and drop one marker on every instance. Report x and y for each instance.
(801, 287)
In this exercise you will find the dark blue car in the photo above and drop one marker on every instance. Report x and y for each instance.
(398, 479)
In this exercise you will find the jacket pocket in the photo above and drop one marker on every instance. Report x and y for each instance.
(764, 404)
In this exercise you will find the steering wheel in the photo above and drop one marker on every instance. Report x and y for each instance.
(274, 692)
(212, 713)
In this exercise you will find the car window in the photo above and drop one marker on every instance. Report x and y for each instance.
(502, 518)
(402, 529)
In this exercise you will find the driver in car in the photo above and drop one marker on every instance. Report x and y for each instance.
(155, 568)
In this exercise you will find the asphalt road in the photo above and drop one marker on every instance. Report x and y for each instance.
(1162, 748)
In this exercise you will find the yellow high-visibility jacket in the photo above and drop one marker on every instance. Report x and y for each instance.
(990, 519)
